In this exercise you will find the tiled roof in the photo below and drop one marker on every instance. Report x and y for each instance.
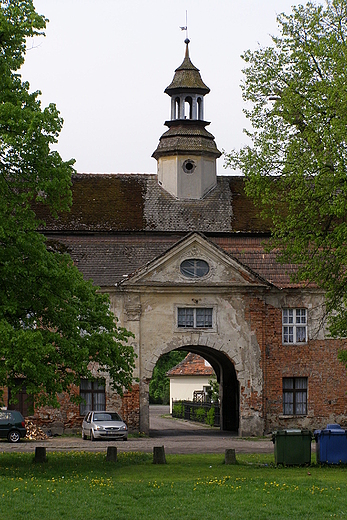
(250, 251)
(118, 223)
(120, 202)
(191, 365)
(108, 259)
(187, 77)
(188, 137)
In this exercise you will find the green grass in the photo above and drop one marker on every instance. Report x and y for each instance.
(81, 485)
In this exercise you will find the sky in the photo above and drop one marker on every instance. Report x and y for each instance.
(106, 63)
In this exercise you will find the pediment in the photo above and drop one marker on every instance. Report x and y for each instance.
(223, 270)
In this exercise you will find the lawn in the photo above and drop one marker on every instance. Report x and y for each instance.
(81, 485)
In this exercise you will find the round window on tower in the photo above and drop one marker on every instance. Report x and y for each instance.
(189, 166)
(194, 268)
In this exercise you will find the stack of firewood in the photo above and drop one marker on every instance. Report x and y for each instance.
(34, 432)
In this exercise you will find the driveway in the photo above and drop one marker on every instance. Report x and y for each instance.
(176, 435)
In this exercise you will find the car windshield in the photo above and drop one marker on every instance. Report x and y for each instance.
(111, 416)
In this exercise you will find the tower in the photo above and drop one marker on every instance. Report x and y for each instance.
(186, 154)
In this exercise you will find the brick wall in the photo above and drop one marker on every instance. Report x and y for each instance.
(326, 378)
(130, 409)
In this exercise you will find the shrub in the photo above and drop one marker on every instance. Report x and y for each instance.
(178, 410)
(210, 416)
(200, 414)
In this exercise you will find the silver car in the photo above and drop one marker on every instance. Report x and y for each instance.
(104, 425)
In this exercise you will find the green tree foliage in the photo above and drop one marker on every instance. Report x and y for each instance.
(296, 164)
(53, 324)
(159, 387)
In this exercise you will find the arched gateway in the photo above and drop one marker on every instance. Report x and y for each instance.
(208, 313)
(229, 391)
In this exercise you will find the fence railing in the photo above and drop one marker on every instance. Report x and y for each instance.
(207, 413)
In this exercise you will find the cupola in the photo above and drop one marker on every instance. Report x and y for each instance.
(186, 154)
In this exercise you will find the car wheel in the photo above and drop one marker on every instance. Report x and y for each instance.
(125, 438)
(14, 436)
(83, 435)
(92, 438)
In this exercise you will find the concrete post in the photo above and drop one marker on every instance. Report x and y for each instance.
(159, 455)
(40, 454)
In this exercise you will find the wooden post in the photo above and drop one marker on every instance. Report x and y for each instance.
(111, 453)
(159, 455)
(40, 454)
(230, 457)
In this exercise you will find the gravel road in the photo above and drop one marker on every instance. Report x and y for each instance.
(176, 435)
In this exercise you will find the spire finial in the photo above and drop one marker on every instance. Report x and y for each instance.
(185, 28)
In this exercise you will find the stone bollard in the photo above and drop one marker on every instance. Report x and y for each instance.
(159, 455)
(230, 457)
(111, 454)
(40, 454)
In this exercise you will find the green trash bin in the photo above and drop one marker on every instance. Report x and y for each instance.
(292, 447)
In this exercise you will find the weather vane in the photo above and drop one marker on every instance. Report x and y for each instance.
(185, 27)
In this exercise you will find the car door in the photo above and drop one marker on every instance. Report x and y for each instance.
(86, 424)
(5, 423)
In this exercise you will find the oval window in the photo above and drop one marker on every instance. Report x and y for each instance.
(194, 268)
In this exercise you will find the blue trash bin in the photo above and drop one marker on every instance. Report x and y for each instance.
(331, 445)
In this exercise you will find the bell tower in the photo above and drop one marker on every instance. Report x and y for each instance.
(186, 154)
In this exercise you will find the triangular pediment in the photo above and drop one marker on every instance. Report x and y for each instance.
(223, 270)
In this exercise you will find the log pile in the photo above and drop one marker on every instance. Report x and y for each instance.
(34, 432)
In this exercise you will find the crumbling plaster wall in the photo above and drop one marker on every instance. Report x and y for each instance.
(151, 314)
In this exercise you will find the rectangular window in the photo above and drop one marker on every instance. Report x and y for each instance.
(25, 402)
(295, 395)
(294, 325)
(194, 318)
(93, 393)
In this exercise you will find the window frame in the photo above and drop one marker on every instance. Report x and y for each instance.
(298, 394)
(193, 272)
(97, 389)
(193, 309)
(293, 320)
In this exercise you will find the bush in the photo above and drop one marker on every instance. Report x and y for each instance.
(200, 414)
(178, 410)
(210, 417)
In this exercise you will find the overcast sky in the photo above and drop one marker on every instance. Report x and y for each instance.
(106, 63)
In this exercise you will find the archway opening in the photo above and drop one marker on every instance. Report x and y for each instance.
(188, 108)
(225, 375)
(159, 386)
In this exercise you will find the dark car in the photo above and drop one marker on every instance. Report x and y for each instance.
(104, 425)
(12, 425)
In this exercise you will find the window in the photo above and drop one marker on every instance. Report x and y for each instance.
(25, 402)
(193, 268)
(194, 318)
(189, 166)
(93, 393)
(294, 325)
(295, 395)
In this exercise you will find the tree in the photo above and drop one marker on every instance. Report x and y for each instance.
(159, 386)
(53, 325)
(296, 164)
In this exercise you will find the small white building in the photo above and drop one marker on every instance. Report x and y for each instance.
(191, 376)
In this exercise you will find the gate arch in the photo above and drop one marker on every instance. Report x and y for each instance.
(228, 383)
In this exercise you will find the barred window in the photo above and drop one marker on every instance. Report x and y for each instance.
(294, 325)
(295, 395)
(93, 395)
(194, 318)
